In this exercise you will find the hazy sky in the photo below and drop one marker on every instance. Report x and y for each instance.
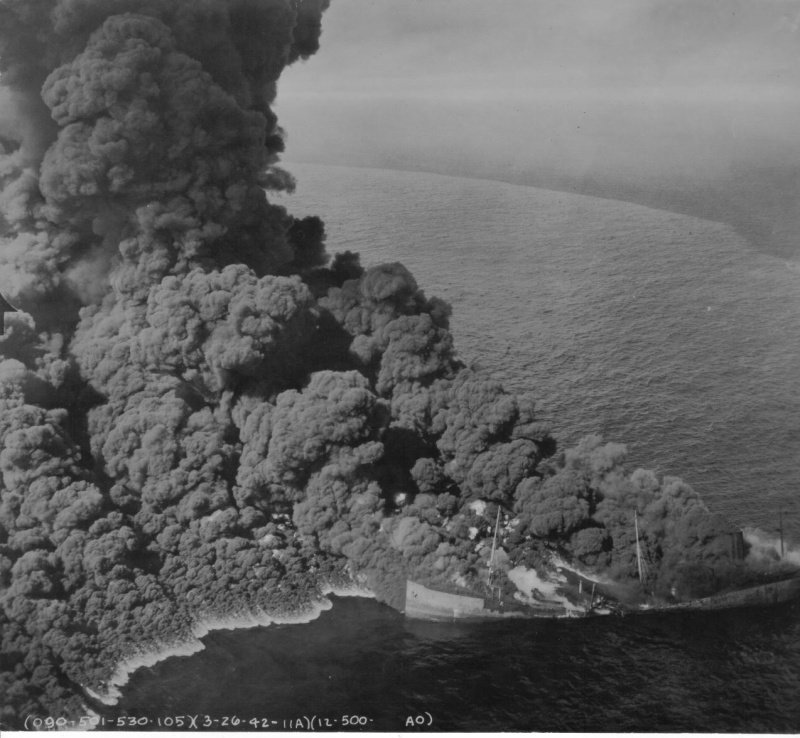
(532, 48)
(689, 105)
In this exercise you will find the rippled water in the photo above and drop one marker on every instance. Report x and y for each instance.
(665, 332)
(735, 671)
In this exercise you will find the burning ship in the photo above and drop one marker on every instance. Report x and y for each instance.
(490, 602)
(425, 603)
(448, 604)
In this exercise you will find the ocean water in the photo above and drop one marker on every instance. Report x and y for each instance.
(667, 333)
(724, 672)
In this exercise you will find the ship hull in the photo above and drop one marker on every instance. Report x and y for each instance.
(762, 595)
(423, 603)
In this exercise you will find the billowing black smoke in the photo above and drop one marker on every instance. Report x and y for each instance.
(201, 414)
(147, 143)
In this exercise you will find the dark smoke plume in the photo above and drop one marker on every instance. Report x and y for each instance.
(200, 418)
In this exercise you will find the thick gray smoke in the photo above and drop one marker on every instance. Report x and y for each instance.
(198, 416)
(148, 138)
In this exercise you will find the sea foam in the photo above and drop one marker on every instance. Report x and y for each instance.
(110, 692)
(348, 590)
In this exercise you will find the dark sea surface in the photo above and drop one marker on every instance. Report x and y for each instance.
(736, 671)
(664, 332)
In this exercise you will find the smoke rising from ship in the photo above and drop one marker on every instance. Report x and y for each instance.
(201, 412)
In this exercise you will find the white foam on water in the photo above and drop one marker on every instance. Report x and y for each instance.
(111, 691)
(259, 619)
(349, 590)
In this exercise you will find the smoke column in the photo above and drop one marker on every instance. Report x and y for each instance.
(202, 415)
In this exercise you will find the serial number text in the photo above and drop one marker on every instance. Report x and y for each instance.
(197, 722)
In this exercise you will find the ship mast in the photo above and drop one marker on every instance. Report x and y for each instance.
(639, 562)
(494, 544)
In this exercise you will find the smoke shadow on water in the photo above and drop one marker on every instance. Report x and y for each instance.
(732, 671)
